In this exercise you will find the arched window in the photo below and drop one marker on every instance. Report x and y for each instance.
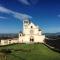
(20, 34)
(31, 26)
(39, 29)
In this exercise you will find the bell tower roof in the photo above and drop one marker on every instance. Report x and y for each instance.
(26, 21)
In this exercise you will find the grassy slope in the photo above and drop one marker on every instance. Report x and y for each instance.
(32, 52)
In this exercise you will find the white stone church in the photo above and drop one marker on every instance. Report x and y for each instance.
(30, 34)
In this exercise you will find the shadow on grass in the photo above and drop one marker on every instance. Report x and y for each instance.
(52, 48)
(18, 57)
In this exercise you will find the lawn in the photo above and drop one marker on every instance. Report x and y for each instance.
(30, 52)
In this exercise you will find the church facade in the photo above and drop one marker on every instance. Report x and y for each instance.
(31, 33)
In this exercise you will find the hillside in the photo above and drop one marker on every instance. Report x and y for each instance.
(30, 52)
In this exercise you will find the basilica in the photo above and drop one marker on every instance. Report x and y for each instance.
(31, 33)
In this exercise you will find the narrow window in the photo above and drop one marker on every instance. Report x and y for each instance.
(31, 26)
(20, 34)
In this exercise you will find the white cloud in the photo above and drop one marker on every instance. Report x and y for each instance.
(21, 16)
(29, 2)
(24, 2)
(14, 14)
(34, 1)
(1, 17)
(4, 10)
(58, 15)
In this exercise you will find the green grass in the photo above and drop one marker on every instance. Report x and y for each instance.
(31, 52)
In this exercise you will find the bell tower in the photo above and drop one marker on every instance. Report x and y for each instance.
(26, 22)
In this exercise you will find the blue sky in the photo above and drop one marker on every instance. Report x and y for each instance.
(45, 13)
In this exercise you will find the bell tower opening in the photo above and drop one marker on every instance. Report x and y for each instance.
(26, 22)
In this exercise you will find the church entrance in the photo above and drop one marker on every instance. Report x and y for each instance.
(31, 39)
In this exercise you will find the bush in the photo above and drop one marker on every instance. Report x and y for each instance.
(6, 51)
